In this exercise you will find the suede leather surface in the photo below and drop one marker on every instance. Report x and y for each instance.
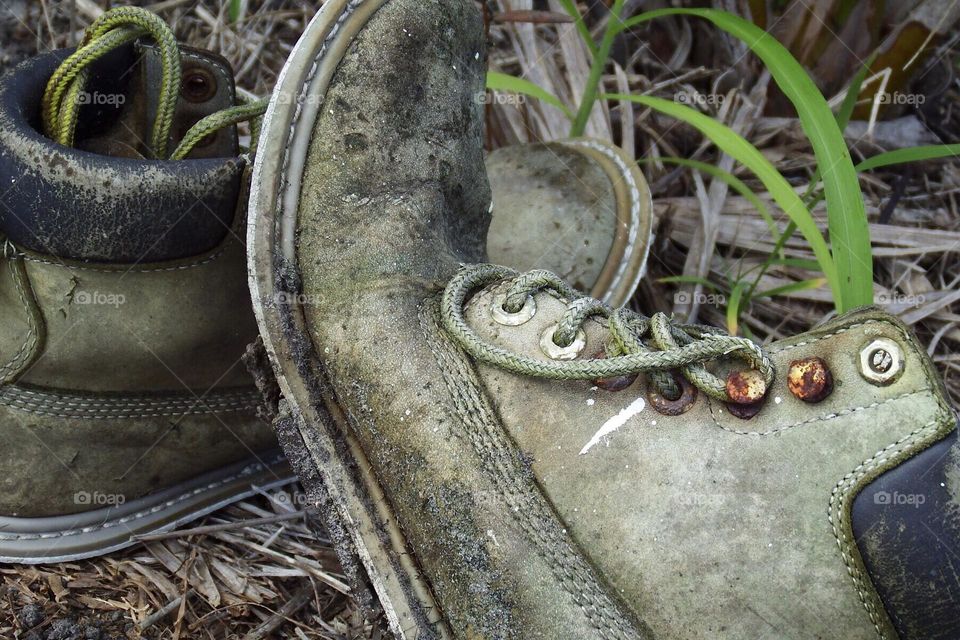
(553, 208)
(56, 466)
(126, 337)
(396, 158)
(138, 327)
(709, 525)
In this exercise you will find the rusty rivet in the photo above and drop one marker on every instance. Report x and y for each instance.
(746, 387)
(616, 383)
(668, 407)
(810, 379)
(197, 85)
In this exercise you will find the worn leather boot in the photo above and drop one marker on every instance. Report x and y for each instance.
(507, 458)
(124, 405)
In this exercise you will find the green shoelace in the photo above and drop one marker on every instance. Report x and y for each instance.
(655, 346)
(115, 28)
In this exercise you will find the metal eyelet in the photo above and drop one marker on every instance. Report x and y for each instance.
(881, 361)
(504, 317)
(555, 351)
(676, 406)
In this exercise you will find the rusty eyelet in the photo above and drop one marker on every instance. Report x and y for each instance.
(668, 407)
(197, 84)
(616, 383)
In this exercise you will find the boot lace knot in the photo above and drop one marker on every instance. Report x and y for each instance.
(656, 346)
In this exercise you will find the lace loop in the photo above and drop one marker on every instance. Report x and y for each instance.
(119, 26)
(671, 346)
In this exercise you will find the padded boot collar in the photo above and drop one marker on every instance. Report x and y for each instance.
(78, 205)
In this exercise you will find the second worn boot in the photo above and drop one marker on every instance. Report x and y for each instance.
(505, 457)
(125, 408)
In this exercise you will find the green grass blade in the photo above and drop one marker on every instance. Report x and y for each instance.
(571, 7)
(733, 309)
(811, 197)
(600, 58)
(803, 285)
(849, 231)
(504, 82)
(799, 263)
(911, 154)
(736, 146)
(689, 280)
(235, 10)
(733, 181)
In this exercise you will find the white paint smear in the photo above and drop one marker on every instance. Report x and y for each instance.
(615, 423)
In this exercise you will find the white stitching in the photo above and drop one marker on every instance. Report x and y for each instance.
(122, 268)
(829, 416)
(32, 333)
(107, 524)
(789, 347)
(305, 87)
(839, 505)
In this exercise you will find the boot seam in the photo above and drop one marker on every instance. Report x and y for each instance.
(841, 504)
(823, 418)
(635, 209)
(139, 515)
(10, 368)
(837, 332)
(120, 268)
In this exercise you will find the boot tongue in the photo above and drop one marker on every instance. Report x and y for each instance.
(119, 104)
